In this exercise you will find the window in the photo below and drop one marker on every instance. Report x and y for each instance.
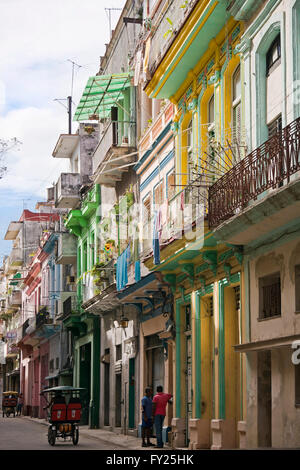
(92, 248)
(146, 210)
(51, 365)
(84, 264)
(188, 318)
(297, 288)
(147, 229)
(118, 352)
(171, 184)
(273, 55)
(211, 306)
(236, 108)
(275, 126)
(159, 194)
(189, 144)
(211, 110)
(269, 296)
(211, 131)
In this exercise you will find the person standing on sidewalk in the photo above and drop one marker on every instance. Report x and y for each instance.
(160, 401)
(20, 404)
(147, 417)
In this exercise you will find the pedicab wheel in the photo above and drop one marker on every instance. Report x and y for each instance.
(8, 414)
(75, 436)
(51, 436)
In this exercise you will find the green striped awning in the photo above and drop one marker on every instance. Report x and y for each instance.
(100, 94)
(16, 276)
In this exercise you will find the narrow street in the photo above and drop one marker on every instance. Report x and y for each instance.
(21, 434)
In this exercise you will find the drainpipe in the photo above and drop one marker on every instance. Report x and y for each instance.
(125, 409)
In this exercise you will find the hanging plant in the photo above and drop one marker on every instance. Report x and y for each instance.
(170, 30)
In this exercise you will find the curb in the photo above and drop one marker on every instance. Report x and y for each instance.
(97, 436)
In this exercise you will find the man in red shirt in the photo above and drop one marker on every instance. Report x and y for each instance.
(159, 403)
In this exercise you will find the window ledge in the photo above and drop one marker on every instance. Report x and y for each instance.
(269, 318)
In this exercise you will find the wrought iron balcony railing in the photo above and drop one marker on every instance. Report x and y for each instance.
(266, 168)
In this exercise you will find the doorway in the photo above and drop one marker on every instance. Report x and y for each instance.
(264, 399)
(118, 400)
(188, 386)
(85, 380)
(106, 390)
(155, 362)
(131, 398)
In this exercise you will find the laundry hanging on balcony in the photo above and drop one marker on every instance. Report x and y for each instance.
(136, 256)
(157, 230)
(122, 269)
(101, 93)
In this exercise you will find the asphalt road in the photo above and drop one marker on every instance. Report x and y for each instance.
(21, 434)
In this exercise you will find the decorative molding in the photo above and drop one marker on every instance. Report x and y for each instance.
(211, 258)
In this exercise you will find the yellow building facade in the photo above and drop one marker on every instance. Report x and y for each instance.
(201, 74)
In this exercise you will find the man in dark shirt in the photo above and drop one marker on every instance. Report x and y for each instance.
(147, 417)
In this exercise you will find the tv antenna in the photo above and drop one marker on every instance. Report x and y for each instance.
(69, 98)
(109, 17)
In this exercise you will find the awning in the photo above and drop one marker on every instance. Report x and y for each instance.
(267, 344)
(16, 276)
(13, 230)
(100, 94)
(49, 377)
(13, 372)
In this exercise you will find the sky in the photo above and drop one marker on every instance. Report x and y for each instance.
(39, 40)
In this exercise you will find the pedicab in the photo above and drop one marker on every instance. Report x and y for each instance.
(64, 405)
(9, 403)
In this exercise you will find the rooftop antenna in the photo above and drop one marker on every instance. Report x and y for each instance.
(69, 98)
(109, 17)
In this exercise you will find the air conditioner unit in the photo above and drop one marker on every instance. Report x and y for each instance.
(70, 279)
(105, 358)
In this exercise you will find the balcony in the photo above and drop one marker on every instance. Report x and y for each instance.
(148, 140)
(43, 318)
(24, 327)
(66, 249)
(242, 9)
(91, 201)
(67, 190)
(182, 217)
(15, 299)
(164, 29)
(264, 186)
(115, 152)
(16, 257)
(174, 25)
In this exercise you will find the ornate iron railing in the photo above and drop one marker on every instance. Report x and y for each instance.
(267, 167)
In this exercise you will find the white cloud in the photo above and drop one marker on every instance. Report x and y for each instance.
(37, 38)
(32, 166)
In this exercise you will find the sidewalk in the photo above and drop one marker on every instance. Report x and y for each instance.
(120, 440)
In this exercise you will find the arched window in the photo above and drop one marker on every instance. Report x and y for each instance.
(236, 109)
(211, 110)
(211, 131)
(189, 144)
(273, 55)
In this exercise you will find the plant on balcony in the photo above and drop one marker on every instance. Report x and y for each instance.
(89, 129)
(130, 196)
(170, 30)
(185, 4)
